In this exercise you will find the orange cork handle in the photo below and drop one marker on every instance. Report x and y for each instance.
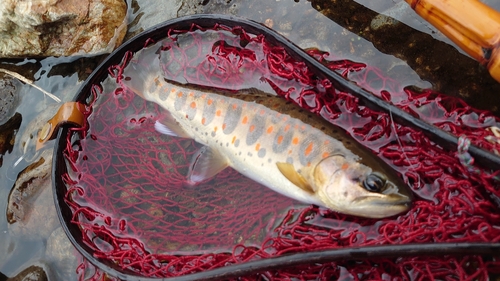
(70, 112)
(472, 25)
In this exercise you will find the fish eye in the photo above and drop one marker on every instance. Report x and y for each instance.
(374, 183)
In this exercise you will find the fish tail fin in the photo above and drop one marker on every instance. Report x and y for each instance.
(142, 70)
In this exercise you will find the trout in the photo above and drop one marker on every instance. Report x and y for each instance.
(271, 141)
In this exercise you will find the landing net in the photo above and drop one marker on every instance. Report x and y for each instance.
(128, 194)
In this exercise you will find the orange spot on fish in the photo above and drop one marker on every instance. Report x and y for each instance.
(285, 118)
(345, 166)
(209, 101)
(193, 105)
(287, 127)
(203, 96)
(157, 81)
(203, 121)
(235, 106)
(218, 112)
(244, 120)
(257, 147)
(290, 151)
(180, 94)
(326, 142)
(234, 139)
(309, 149)
(308, 164)
(223, 126)
(262, 112)
(270, 129)
(191, 94)
(280, 139)
(173, 90)
(325, 154)
(252, 127)
(295, 140)
(303, 127)
(215, 129)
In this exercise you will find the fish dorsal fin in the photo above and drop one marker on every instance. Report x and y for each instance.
(169, 126)
(291, 174)
(206, 163)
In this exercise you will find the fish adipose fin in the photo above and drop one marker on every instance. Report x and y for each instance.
(169, 126)
(206, 163)
(291, 174)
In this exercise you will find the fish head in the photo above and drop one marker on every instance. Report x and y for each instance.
(350, 187)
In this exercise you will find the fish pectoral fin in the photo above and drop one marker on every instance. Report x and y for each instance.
(291, 174)
(206, 163)
(169, 126)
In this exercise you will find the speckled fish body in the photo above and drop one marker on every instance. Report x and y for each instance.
(273, 142)
(251, 136)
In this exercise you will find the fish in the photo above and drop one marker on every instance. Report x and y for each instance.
(271, 141)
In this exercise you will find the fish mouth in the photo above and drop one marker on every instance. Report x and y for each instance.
(388, 200)
(378, 207)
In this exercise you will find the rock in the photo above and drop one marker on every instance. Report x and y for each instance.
(30, 210)
(9, 97)
(39, 28)
(32, 273)
(8, 134)
(146, 13)
(61, 255)
(27, 138)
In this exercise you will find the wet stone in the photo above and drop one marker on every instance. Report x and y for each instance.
(30, 210)
(32, 273)
(61, 255)
(8, 134)
(34, 28)
(9, 97)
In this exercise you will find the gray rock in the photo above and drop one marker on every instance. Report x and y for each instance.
(9, 97)
(61, 255)
(31, 273)
(145, 14)
(39, 28)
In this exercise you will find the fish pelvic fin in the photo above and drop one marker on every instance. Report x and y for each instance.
(169, 126)
(206, 163)
(288, 170)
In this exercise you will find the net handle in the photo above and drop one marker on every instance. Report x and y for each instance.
(472, 25)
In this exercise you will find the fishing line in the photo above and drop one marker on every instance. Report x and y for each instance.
(393, 126)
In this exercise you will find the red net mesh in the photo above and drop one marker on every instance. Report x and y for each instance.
(127, 190)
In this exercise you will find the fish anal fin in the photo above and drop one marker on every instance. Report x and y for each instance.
(292, 175)
(169, 126)
(205, 164)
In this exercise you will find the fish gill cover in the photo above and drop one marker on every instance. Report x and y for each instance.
(127, 191)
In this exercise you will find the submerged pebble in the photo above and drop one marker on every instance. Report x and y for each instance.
(31, 273)
(30, 207)
(8, 133)
(61, 255)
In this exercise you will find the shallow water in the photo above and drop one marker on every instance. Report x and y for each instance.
(299, 21)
